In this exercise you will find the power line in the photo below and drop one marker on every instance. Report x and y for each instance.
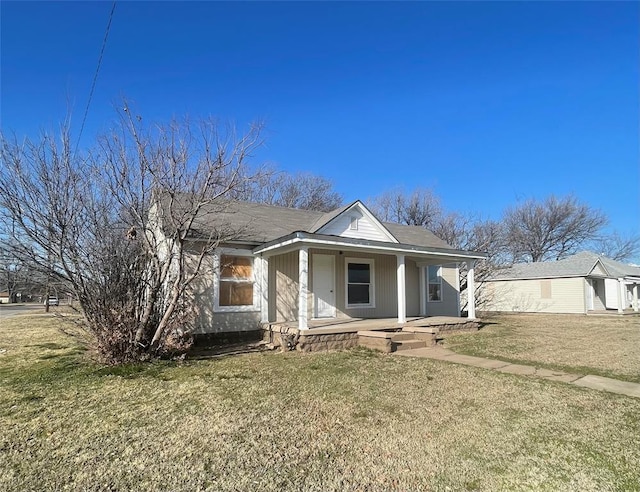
(95, 75)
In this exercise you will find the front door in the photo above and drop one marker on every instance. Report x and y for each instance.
(324, 286)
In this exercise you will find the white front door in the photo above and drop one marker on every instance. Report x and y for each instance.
(324, 286)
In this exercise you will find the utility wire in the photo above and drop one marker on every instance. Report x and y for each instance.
(95, 75)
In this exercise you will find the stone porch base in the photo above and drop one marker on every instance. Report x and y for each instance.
(385, 335)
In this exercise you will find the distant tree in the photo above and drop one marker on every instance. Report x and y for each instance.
(551, 229)
(421, 207)
(92, 222)
(301, 190)
(618, 247)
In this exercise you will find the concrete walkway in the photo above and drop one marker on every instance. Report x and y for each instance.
(589, 381)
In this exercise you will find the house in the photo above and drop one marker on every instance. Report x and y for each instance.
(582, 283)
(300, 267)
(5, 298)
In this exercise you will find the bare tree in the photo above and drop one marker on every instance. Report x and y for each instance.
(301, 190)
(551, 229)
(121, 225)
(419, 208)
(617, 247)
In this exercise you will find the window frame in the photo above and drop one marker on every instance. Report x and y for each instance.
(429, 283)
(217, 279)
(372, 289)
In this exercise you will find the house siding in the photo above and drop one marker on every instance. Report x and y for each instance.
(567, 295)
(202, 292)
(449, 306)
(367, 229)
(412, 287)
(386, 302)
(598, 293)
(283, 293)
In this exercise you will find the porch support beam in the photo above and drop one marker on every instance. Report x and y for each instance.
(622, 298)
(402, 294)
(264, 290)
(635, 298)
(471, 290)
(303, 282)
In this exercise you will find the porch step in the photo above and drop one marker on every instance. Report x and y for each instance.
(399, 336)
(409, 344)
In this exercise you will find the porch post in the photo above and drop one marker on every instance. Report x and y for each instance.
(303, 280)
(622, 298)
(635, 298)
(402, 297)
(471, 290)
(458, 288)
(264, 291)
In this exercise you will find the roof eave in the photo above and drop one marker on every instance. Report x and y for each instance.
(301, 238)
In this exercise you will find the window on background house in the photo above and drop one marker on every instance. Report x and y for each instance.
(545, 289)
(236, 281)
(360, 291)
(434, 283)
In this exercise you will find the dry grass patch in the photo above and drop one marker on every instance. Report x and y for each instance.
(603, 345)
(335, 421)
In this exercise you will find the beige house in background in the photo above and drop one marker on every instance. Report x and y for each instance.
(582, 283)
(299, 266)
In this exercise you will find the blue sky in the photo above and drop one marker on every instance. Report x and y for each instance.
(486, 103)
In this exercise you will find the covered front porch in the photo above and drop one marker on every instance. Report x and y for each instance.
(316, 283)
(607, 295)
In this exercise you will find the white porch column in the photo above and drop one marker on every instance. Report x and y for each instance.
(471, 290)
(458, 288)
(422, 271)
(622, 298)
(264, 290)
(303, 282)
(402, 294)
(635, 298)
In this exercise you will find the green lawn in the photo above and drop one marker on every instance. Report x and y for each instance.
(602, 345)
(339, 421)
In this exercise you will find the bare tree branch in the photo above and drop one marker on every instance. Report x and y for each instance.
(121, 225)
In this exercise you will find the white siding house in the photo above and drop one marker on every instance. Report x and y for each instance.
(297, 266)
(579, 284)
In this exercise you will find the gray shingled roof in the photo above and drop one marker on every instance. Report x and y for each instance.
(415, 235)
(578, 265)
(262, 223)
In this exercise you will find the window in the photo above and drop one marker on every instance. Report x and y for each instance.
(545, 289)
(434, 283)
(235, 282)
(353, 224)
(360, 292)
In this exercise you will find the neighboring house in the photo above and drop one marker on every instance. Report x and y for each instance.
(581, 283)
(4, 298)
(290, 265)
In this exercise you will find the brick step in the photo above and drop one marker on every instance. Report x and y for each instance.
(409, 344)
(399, 337)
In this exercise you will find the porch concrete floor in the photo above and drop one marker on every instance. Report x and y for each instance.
(351, 325)
(611, 312)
